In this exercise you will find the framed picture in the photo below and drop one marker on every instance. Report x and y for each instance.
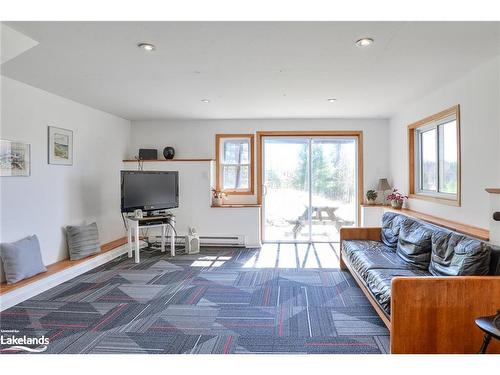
(14, 159)
(60, 146)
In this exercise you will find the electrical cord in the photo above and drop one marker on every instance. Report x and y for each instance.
(177, 241)
(124, 222)
(140, 163)
(173, 229)
(145, 235)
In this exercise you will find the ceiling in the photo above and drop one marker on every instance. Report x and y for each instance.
(13, 43)
(249, 69)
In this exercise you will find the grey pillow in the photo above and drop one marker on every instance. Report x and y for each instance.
(22, 259)
(83, 241)
(457, 255)
(391, 223)
(414, 243)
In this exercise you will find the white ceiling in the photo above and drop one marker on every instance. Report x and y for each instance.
(13, 43)
(249, 69)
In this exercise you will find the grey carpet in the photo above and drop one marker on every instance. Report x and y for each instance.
(284, 299)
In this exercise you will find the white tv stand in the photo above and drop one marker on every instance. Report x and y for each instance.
(135, 224)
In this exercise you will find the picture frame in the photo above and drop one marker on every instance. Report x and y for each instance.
(15, 159)
(60, 146)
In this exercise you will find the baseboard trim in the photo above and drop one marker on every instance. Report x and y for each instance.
(23, 293)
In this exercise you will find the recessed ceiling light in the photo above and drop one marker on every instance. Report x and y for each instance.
(332, 100)
(147, 46)
(364, 42)
(205, 100)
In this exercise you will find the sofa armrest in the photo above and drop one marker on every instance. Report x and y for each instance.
(436, 314)
(357, 233)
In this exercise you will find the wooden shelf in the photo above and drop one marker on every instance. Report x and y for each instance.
(165, 160)
(236, 206)
(493, 190)
(469, 230)
(59, 266)
(482, 234)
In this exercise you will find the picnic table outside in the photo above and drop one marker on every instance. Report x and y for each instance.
(319, 215)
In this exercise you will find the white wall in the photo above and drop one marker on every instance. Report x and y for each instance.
(195, 204)
(196, 138)
(478, 93)
(55, 196)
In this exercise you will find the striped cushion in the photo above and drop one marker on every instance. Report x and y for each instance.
(83, 241)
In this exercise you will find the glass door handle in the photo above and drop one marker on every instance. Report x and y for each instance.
(264, 190)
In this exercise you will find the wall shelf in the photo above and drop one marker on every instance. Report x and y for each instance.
(482, 234)
(61, 265)
(250, 205)
(169, 160)
(375, 215)
(493, 190)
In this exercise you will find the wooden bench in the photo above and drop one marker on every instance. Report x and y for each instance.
(431, 314)
(11, 294)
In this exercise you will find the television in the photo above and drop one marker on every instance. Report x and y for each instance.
(149, 190)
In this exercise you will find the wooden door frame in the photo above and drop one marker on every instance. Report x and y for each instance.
(358, 134)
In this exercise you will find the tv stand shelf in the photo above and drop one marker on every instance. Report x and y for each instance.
(134, 225)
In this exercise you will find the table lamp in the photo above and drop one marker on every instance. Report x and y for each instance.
(383, 185)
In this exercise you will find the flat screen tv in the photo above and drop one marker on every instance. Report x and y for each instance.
(149, 191)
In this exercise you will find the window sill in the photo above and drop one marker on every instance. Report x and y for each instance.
(440, 200)
(249, 192)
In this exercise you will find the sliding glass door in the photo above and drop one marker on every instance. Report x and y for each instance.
(334, 187)
(286, 189)
(309, 188)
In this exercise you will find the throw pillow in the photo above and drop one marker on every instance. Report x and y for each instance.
(83, 241)
(22, 259)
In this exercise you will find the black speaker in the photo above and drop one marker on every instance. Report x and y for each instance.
(496, 216)
(148, 154)
(169, 152)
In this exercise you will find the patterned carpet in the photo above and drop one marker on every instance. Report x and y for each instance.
(218, 301)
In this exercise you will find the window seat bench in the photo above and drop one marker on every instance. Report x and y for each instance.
(57, 273)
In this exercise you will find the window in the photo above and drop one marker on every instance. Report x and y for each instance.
(435, 157)
(234, 154)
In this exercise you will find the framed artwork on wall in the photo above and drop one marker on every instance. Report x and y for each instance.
(15, 159)
(60, 146)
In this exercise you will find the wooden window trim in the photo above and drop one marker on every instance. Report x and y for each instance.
(455, 110)
(312, 133)
(218, 138)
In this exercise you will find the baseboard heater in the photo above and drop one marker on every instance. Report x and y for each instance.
(230, 241)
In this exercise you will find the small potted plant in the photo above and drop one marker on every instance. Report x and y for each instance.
(396, 199)
(218, 197)
(371, 196)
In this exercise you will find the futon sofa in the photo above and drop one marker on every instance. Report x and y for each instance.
(426, 282)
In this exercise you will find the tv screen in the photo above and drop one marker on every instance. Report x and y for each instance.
(149, 191)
